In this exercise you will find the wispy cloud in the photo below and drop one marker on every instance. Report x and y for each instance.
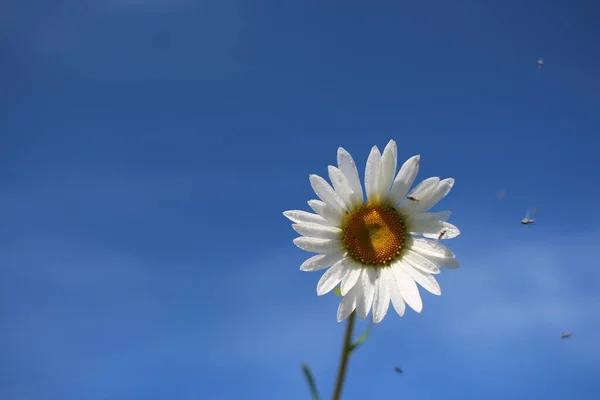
(533, 287)
(78, 312)
(82, 317)
(476, 337)
(537, 291)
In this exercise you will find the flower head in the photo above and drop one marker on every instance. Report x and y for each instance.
(373, 249)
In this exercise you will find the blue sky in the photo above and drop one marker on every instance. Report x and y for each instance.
(150, 147)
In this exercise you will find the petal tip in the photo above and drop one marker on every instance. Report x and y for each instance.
(342, 151)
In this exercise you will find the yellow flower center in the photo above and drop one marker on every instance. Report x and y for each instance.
(373, 234)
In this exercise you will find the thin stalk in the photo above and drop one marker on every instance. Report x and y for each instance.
(344, 358)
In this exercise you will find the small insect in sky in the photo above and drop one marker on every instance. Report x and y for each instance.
(442, 233)
(398, 370)
(539, 63)
(528, 219)
(566, 335)
(412, 198)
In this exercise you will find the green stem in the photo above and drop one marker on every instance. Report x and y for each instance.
(344, 359)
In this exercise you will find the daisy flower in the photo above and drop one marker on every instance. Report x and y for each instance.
(379, 249)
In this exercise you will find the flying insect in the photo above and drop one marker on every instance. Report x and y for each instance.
(539, 63)
(528, 219)
(566, 335)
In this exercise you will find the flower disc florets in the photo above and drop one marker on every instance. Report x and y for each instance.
(374, 234)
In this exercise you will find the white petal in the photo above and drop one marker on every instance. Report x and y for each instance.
(449, 263)
(408, 288)
(318, 231)
(299, 216)
(341, 186)
(367, 290)
(372, 174)
(429, 248)
(389, 161)
(351, 277)
(420, 193)
(331, 278)
(441, 190)
(424, 187)
(427, 281)
(434, 229)
(418, 261)
(381, 300)
(348, 303)
(326, 193)
(404, 179)
(348, 167)
(330, 214)
(321, 261)
(315, 245)
(395, 295)
(427, 217)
